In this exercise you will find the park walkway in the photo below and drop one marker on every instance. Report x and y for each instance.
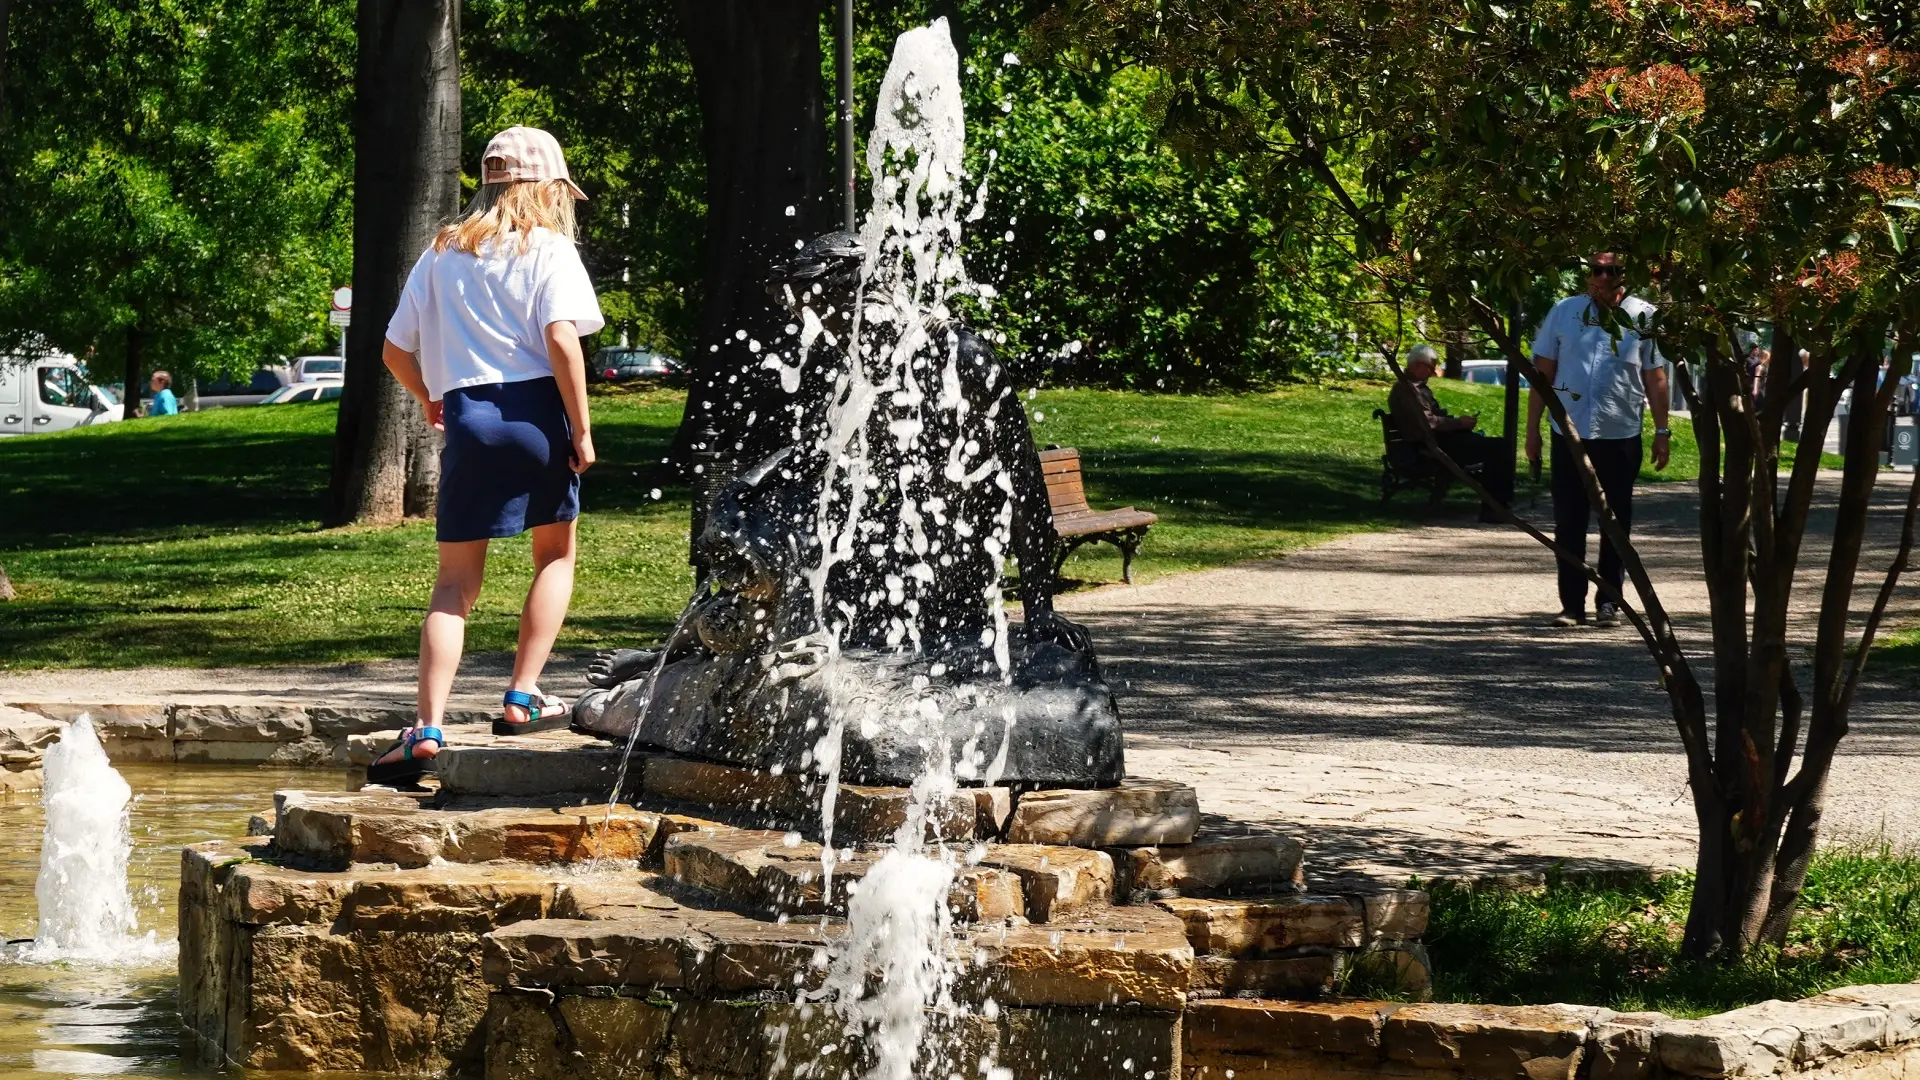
(1400, 697)
(1395, 697)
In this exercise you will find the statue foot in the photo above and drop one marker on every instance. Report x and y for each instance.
(611, 667)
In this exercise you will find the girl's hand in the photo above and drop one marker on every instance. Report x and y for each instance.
(433, 409)
(582, 457)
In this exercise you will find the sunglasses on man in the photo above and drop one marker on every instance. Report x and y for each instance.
(1603, 270)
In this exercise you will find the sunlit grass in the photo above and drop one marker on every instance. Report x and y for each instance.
(1619, 946)
(194, 540)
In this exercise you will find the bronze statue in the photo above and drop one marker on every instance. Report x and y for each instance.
(909, 657)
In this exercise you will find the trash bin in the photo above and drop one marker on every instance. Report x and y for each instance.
(1906, 443)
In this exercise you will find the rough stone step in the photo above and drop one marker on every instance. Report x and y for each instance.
(546, 766)
(781, 874)
(1246, 928)
(1138, 813)
(863, 814)
(336, 831)
(1125, 957)
(1209, 866)
(1057, 881)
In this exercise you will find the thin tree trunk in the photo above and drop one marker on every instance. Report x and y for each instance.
(406, 184)
(6, 583)
(764, 128)
(135, 357)
(189, 392)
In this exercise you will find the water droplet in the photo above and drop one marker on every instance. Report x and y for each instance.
(1099, 234)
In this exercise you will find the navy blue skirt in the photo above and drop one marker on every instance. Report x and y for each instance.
(504, 469)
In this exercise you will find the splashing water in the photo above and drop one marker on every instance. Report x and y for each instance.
(86, 912)
(901, 385)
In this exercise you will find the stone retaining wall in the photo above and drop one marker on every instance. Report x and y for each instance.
(239, 731)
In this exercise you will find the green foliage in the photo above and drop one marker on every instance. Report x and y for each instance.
(614, 84)
(178, 170)
(1619, 946)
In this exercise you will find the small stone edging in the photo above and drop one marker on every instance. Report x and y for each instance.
(241, 731)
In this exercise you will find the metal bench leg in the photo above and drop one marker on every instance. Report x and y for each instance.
(1127, 545)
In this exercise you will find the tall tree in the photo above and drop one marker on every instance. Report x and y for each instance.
(406, 181)
(1761, 167)
(764, 129)
(171, 182)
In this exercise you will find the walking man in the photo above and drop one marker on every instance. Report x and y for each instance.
(1590, 350)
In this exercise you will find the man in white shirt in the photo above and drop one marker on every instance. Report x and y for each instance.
(1591, 349)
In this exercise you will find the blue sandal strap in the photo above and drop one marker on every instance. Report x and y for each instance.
(416, 736)
(521, 698)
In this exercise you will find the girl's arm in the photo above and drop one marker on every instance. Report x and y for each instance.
(570, 371)
(406, 369)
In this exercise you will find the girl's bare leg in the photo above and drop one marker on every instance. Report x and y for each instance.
(463, 566)
(546, 607)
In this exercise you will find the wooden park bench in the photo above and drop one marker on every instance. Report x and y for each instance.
(1406, 464)
(1075, 523)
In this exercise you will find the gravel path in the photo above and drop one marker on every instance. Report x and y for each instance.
(1395, 697)
(1400, 698)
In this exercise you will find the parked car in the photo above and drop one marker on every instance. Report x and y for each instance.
(295, 393)
(226, 391)
(618, 363)
(1485, 372)
(319, 369)
(51, 393)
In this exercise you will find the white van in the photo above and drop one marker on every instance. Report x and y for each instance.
(319, 369)
(51, 394)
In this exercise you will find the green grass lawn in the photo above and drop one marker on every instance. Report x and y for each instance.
(1859, 922)
(193, 540)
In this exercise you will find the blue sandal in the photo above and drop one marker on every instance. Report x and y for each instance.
(406, 768)
(544, 713)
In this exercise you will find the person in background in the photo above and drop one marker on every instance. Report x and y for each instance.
(163, 403)
(1606, 383)
(486, 336)
(1412, 405)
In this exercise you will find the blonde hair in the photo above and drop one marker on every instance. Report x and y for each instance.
(514, 209)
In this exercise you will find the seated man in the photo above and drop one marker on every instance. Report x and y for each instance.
(1412, 405)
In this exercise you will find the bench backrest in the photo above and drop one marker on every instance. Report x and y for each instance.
(1066, 494)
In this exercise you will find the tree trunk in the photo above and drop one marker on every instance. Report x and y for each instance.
(764, 129)
(6, 583)
(189, 392)
(136, 356)
(406, 181)
(1458, 351)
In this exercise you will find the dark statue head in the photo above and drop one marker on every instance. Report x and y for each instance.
(824, 274)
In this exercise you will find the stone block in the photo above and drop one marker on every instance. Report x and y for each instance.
(1762, 1039)
(337, 722)
(1900, 1000)
(523, 1039)
(1211, 866)
(992, 806)
(617, 1031)
(721, 1038)
(417, 1005)
(750, 955)
(779, 874)
(21, 777)
(532, 1036)
(1135, 814)
(532, 772)
(1075, 1044)
(294, 752)
(1261, 926)
(1621, 1048)
(761, 795)
(598, 898)
(1394, 967)
(448, 900)
(863, 814)
(1348, 1028)
(1308, 974)
(1395, 914)
(983, 894)
(259, 825)
(1492, 1042)
(25, 736)
(1057, 881)
(650, 950)
(1120, 957)
(143, 721)
(619, 835)
(257, 723)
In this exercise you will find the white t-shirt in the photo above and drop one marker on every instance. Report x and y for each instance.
(1599, 379)
(483, 319)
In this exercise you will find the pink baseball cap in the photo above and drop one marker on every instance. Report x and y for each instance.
(524, 153)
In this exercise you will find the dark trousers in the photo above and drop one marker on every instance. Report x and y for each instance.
(1617, 461)
(1471, 448)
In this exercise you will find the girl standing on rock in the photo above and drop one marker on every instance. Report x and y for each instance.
(487, 337)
